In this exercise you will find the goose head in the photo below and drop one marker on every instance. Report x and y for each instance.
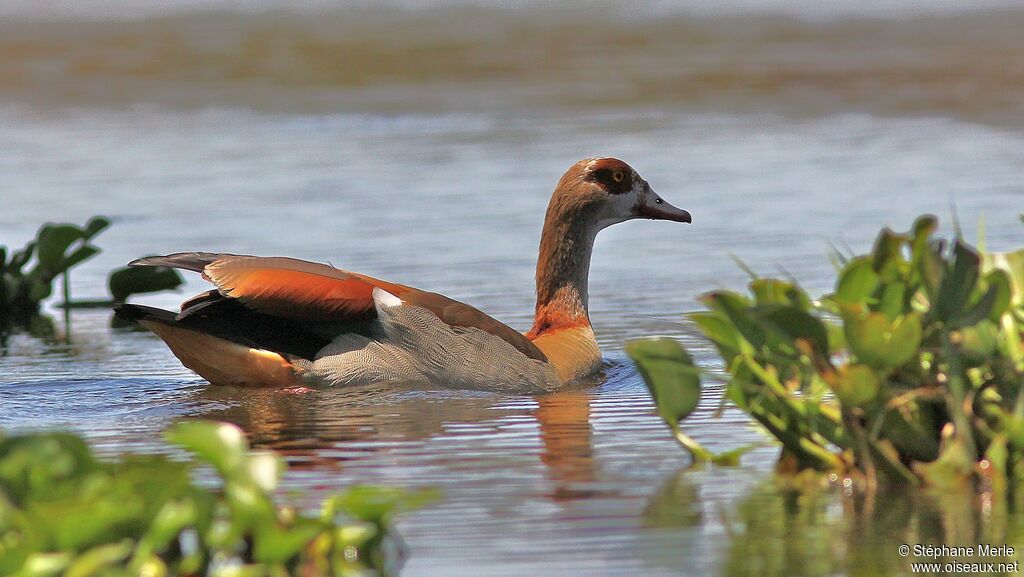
(593, 194)
(605, 191)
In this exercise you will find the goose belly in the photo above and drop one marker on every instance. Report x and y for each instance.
(409, 344)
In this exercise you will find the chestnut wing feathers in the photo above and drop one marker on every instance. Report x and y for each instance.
(299, 290)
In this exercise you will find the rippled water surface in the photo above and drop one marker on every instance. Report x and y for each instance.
(428, 159)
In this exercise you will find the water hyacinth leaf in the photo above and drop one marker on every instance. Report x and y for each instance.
(889, 466)
(857, 386)
(66, 513)
(957, 286)
(250, 507)
(992, 304)
(923, 228)
(670, 375)
(931, 269)
(131, 280)
(221, 444)
(892, 300)
(734, 307)
(99, 560)
(44, 565)
(80, 254)
(89, 520)
(39, 289)
(731, 458)
(924, 266)
(36, 466)
(54, 240)
(375, 504)
(836, 337)
(905, 339)
(768, 291)
(355, 534)
(798, 324)
(173, 517)
(264, 469)
(279, 544)
(95, 225)
(881, 343)
(857, 282)
(1010, 343)
(886, 255)
(954, 467)
(910, 426)
(724, 336)
(980, 341)
(21, 257)
(1012, 263)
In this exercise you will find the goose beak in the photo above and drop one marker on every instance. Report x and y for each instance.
(656, 208)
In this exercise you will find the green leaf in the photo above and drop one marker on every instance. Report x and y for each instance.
(34, 467)
(931, 269)
(276, 544)
(172, 518)
(954, 467)
(892, 301)
(858, 385)
(886, 255)
(980, 341)
(923, 228)
(857, 282)
(958, 285)
(769, 291)
(45, 564)
(95, 560)
(130, 280)
(735, 308)
(54, 240)
(221, 444)
(670, 376)
(798, 324)
(721, 333)
(992, 304)
(883, 344)
(21, 257)
(95, 225)
(263, 469)
(375, 504)
(80, 254)
(356, 534)
(1012, 263)
(39, 289)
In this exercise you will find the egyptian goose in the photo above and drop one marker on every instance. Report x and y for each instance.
(275, 321)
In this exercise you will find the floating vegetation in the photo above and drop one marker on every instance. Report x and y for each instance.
(910, 372)
(27, 275)
(64, 512)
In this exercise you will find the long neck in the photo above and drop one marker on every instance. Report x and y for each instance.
(563, 265)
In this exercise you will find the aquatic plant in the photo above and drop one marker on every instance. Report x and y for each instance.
(65, 512)
(56, 248)
(910, 371)
(27, 276)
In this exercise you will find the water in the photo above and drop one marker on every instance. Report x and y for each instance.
(418, 142)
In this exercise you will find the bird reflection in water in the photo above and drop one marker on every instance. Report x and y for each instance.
(327, 429)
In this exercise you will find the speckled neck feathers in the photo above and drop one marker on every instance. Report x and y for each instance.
(563, 265)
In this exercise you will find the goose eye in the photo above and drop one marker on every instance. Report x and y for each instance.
(617, 176)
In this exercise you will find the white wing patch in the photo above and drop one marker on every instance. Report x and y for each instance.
(383, 299)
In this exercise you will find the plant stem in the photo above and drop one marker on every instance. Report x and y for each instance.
(955, 401)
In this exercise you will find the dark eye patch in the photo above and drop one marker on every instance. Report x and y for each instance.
(615, 180)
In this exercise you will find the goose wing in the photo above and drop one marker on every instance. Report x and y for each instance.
(304, 291)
